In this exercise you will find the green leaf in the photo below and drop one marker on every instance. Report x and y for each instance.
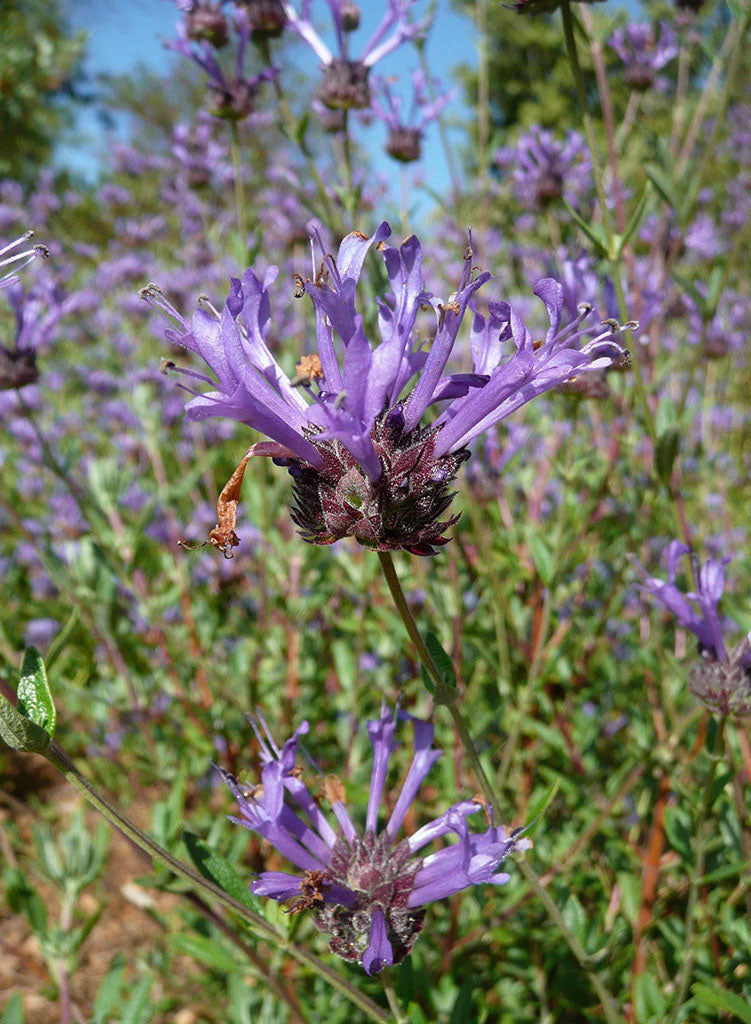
(635, 219)
(21, 733)
(736, 9)
(138, 1003)
(537, 812)
(34, 698)
(13, 1012)
(109, 993)
(445, 667)
(649, 1001)
(206, 951)
(663, 184)
(666, 451)
(721, 999)
(220, 872)
(543, 558)
(594, 234)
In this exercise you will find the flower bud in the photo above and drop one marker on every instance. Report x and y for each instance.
(350, 14)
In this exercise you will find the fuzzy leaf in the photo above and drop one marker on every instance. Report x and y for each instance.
(19, 732)
(109, 993)
(220, 872)
(206, 951)
(13, 1012)
(443, 663)
(34, 698)
(721, 999)
(666, 451)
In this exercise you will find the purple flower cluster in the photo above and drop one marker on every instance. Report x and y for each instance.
(345, 84)
(405, 128)
(349, 424)
(643, 53)
(544, 170)
(720, 679)
(233, 97)
(367, 889)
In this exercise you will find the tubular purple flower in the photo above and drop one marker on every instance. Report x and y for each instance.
(368, 891)
(349, 425)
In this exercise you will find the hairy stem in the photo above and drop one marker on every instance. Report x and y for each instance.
(405, 613)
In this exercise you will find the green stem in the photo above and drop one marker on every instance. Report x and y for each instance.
(393, 1000)
(118, 820)
(405, 613)
(581, 92)
(240, 212)
(703, 827)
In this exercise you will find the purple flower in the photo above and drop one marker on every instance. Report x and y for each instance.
(8, 277)
(367, 889)
(642, 53)
(349, 425)
(345, 80)
(544, 170)
(405, 128)
(721, 680)
(233, 99)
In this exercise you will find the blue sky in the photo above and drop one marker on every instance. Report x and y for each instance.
(124, 33)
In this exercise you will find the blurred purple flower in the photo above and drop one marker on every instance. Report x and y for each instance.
(405, 128)
(544, 169)
(345, 82)
(643, 54)
(366, 889)
(230, 98)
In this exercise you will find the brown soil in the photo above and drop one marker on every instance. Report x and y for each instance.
(124, 925)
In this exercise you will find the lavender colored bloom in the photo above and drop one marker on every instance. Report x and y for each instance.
(37, 311)
(544, 170)
(345, 82)
(362, 462)
(643, 53)
(232, 99)
(406, 128)
(367, 889)
(9, 277)
(721, 680)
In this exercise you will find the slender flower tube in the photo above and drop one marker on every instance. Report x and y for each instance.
(351, 424)
(20, 259)
(367, 889)
(721, 680)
